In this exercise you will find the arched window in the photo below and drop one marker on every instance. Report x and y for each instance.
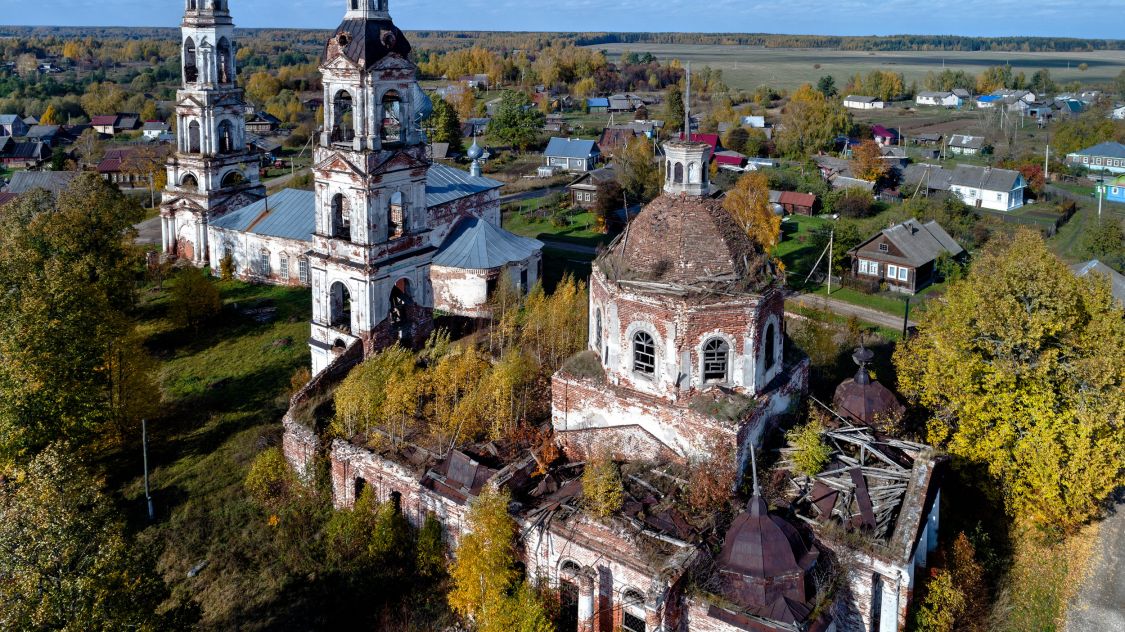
(193, 137)
(632, 611)
(644, 354)
(396, 227)
(693, 173)
(226, 137)
(341, 217)
(770, 346)
(189, 183)
(340, 315)
(343, 125)
(191, 71)
(191, 5)
(233, 179)
(264, 263)
(226, 61)
(392, 127)
(716, 360)
(678, 173)
(598, 330)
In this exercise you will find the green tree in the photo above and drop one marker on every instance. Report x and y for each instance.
(637, 171)
(430, 551)
(943, 605)
(195, 299)
(64, 557)
(367, 401)
(736, 139)
(1106, 240)
(69, 269)
(1086, 130)
(827, 86)
(516, 122)
(270, 479)
(1042, 83)
(674, 110)
(446, 125)
(1022, 370)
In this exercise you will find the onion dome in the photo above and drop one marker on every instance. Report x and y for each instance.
(864, 400)
(474, 152)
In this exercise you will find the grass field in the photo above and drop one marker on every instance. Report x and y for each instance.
(747, 67)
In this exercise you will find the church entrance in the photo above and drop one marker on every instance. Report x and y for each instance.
(402, 304)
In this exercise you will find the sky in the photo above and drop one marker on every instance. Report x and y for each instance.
(1060, 18)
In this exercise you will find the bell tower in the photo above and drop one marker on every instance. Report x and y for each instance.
(212, 171)
(372, 248)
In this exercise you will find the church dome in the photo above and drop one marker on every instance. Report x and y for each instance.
(474, 152)
(761, 546)
(367, 42)
(864, 400)
(691, 243)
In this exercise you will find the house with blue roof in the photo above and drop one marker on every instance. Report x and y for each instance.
(988, 101)
(597, 104)
(572, 154)
(1105, 157)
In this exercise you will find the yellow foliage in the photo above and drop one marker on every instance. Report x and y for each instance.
(749, 204)
(1021, 366)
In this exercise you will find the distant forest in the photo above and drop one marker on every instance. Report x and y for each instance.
(497, 40)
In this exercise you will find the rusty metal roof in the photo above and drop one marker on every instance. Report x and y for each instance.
(369, 41)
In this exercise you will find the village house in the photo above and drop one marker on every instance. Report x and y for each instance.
(864, 103)
(572, 154)
(1118, 113)
(793, 203)
(625, 103)
(1115, 190)
(157, 131)
(730, 160)
(942, 99)
(22, 154)
(597, 105)
(113, 124)
(1106, 157)
(12, 125)
(615, 138)
(903, 256)
(584, 190)
(963, 145)
(262, 123)
(988, 101)
(49, 135)
(884, 137)
(990, 188)
(54, 182)
(114, 167)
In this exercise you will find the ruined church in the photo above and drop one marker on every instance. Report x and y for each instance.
(687, 362)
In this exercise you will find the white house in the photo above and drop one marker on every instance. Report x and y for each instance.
(966, 145)
(864, 103)
(1118, 113)
(1108, 157)
(985, 187)
(942, 99)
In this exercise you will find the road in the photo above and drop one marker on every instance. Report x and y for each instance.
(847, 310)
(148, 232)
(532, 194)
(1099, 605)
(283, 180)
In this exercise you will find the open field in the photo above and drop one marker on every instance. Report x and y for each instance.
(747, 67)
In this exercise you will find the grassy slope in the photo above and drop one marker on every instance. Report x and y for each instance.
(224, 390)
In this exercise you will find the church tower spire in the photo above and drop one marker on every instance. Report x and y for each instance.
(212, 171)
(371, 249)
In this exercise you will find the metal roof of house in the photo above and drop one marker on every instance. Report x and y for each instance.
(571, 148)
(53, 181)
(935, 95)
(859, 99)
(43, 131)
(156, 126)
(27, 149)
(985, 178)
(989, 98)
(597, 102)
(476, 244)
(1103, 150)
(9, 119)
(919, 243)
(1116, 279)
(7, 197)
(291, 213)
(968, 142)
(103, 120)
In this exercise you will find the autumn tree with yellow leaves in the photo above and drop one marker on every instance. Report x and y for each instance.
(749, 204)
(1020, 366)
(810, 122)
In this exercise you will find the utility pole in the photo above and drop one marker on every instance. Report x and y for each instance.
(1047, 166)
(1101, 194)
(831, 243)
(144, 450)
(906, 320)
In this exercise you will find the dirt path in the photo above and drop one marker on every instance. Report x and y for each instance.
(847, 310)
(1100, 603)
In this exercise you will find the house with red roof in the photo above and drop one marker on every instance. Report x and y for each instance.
(797, 203)
(710, 139)
(883, 136)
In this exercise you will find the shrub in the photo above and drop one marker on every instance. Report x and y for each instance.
(430, 554)
(854, 203)
(602, 488)
(943, 604)
(226, 267)
(270, 478)
(810, 453)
